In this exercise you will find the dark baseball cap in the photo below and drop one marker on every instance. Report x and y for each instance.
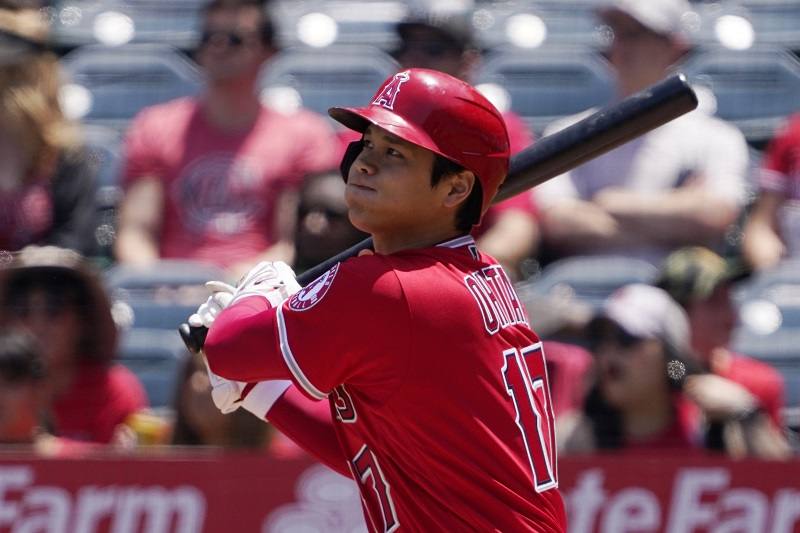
(452, 25)
(694, 273)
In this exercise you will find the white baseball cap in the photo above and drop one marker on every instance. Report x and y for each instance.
(648, 312)
(665, 17)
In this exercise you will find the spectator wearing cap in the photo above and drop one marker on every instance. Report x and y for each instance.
(639, 338)
(680, 184)
(214, 177)
(738, 386)
(651, 393)
(47, 182)
(443, 39)
(772, 230)
(55, 295)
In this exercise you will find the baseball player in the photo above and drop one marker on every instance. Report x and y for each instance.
(436, 383)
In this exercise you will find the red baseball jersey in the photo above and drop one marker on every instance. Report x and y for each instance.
(437, 384)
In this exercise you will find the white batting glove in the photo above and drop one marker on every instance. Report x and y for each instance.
(273, 280)
(222, 295)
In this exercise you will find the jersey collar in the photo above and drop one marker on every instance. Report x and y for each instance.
(458, 242)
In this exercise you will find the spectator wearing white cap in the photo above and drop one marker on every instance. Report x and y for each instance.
(651, 392)
(638, 335)
(680, 184)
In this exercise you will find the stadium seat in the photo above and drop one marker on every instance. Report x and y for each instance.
(548, 84)
(769, 328)
(319, 23)
(756, 89)
(772, 22)
(109, 85)
(161, 296)
(319, 79)
(156, 357)
(589, 279)
(103, 146)
(81, 22)
(536, 23)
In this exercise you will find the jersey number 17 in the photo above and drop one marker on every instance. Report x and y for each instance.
(534, 413)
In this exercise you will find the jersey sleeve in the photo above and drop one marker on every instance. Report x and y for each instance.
(294, 415)
(781, 157)
(351, 326)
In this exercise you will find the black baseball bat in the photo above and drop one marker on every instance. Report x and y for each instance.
(551, 156)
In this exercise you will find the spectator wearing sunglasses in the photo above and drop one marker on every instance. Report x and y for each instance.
(54, 295)
(638, 335)
(442, 39)
(651, 392)
(215, 177)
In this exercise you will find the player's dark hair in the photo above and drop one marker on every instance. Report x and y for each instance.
(20, 358)
(266, 28)
(470, 211)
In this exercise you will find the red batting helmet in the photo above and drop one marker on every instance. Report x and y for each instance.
(442, 114)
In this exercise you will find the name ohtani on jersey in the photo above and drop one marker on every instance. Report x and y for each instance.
(498, 302)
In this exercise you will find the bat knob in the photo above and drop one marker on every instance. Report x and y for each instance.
(193, 337)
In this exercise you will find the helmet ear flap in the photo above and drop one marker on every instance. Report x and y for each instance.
(350, 155)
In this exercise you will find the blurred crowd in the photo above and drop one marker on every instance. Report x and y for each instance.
(222, 179)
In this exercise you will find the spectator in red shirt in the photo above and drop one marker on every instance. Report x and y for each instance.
(54, 294)
(701, 282)
(215, 177)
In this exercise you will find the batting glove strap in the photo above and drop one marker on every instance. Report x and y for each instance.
(263, 396)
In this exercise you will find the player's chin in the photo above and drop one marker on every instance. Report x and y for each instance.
(359, 193)
(359, 217)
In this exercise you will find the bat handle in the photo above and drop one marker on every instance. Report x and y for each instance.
(194, 337)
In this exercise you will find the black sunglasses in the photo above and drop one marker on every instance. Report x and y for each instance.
(603, 333)
(429, 48)
(229, 37)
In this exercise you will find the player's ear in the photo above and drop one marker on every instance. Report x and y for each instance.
(459, 185)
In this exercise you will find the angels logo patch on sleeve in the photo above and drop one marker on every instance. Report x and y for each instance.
(314, 291)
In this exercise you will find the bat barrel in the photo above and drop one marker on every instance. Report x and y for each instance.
(598, 133)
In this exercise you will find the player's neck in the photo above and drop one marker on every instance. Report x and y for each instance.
(396, 242)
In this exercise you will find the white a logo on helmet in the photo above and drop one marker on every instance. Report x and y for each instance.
(389, 93)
